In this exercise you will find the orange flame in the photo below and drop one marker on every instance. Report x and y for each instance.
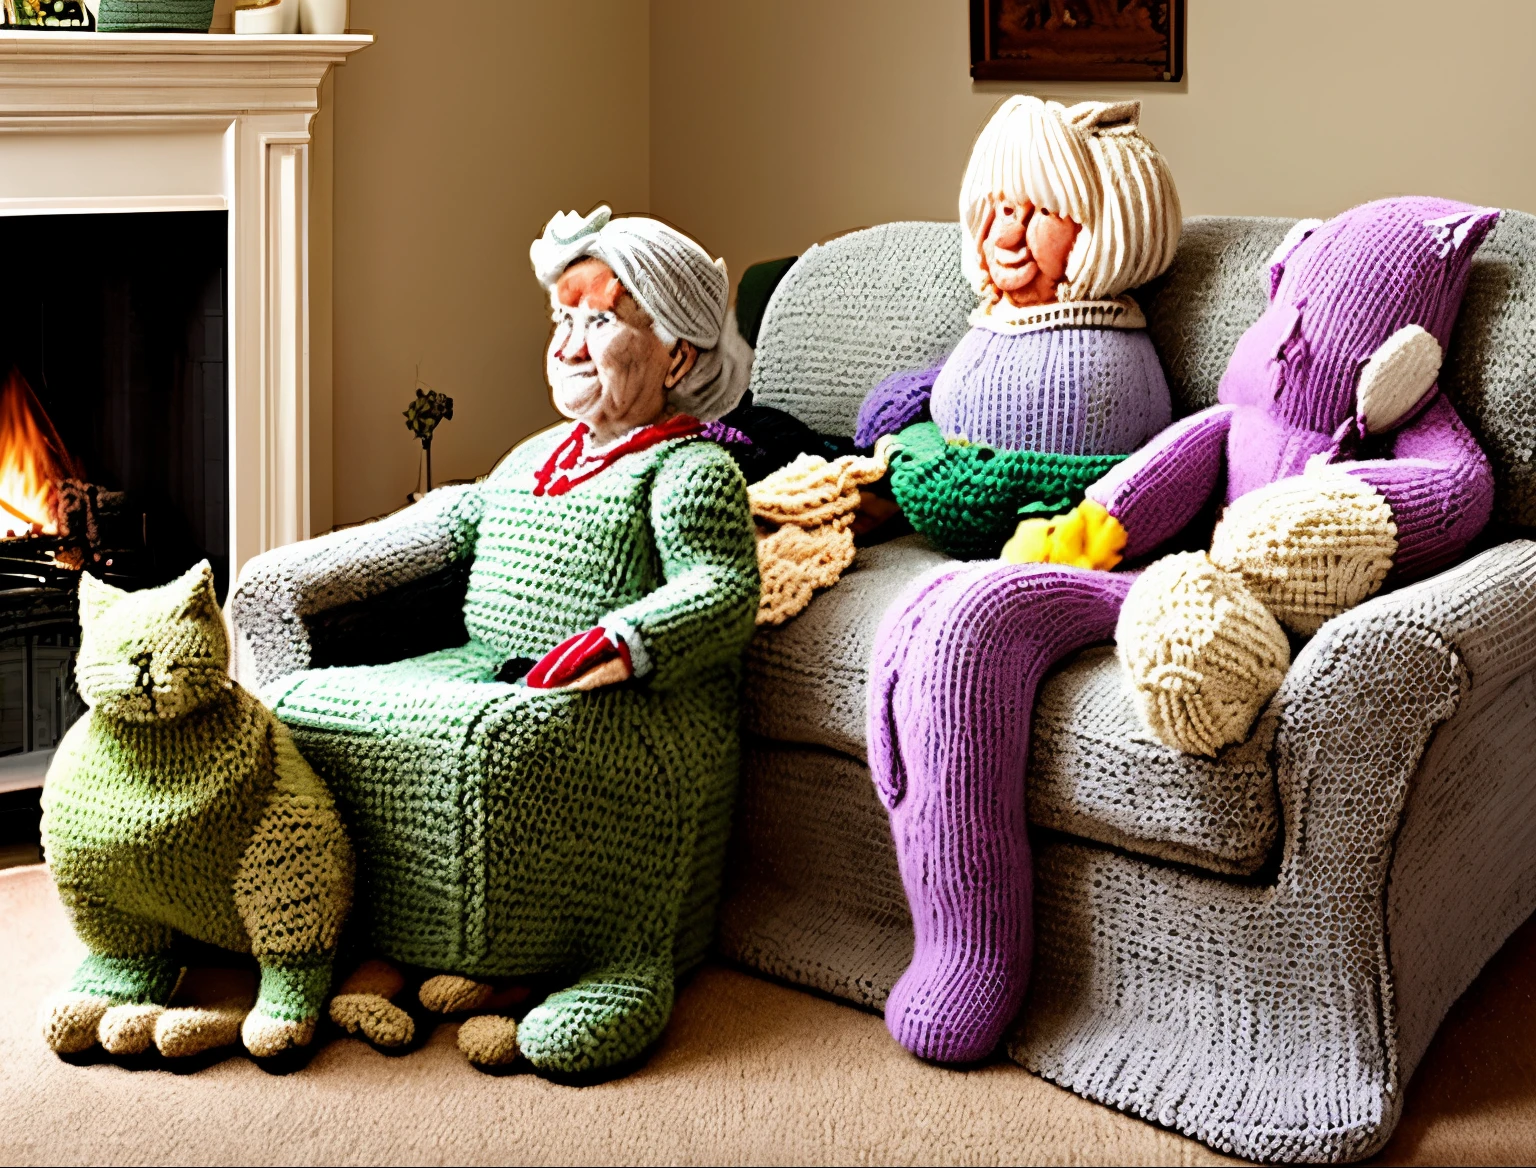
(32, 460)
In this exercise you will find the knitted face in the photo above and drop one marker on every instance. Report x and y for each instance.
(1088, 164)
(154, 655)
(606, 365)
(1024, 249)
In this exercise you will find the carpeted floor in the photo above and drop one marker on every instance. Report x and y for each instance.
(749, 1072)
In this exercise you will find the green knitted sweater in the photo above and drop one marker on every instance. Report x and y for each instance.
(968, 499)
(179, 806)
(507, 831)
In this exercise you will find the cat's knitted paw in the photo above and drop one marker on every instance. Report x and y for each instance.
(489, 1040)
(265, 1036)
(362, 1005)
(1202, 653)
(71, 1020)
(1309, 547)
(374, 1017)
(449, 994)
(191, 1030)
(129, 1029)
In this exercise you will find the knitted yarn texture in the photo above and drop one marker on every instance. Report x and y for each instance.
(180, 807)
(505, 831)
(1022, 424)
(1197, 645)
(1309, 547)
(805, 514)
(1067, 391)
(1361, 308)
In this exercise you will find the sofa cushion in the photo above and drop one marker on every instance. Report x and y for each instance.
(852, 312)
(1094, 772)
(805, 678)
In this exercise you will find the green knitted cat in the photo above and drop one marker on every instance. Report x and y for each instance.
(180, 805)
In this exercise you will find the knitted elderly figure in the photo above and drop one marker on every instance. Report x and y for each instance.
(1344, 470)
(1062, 210)
(179, 806)
(552, 797)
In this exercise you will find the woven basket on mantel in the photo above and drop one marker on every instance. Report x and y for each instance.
(154, 16)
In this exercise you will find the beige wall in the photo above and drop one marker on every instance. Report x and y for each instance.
(453, 143)
(808, 117)
(763, 127)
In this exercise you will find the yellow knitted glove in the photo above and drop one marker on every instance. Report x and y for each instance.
(1087, 536)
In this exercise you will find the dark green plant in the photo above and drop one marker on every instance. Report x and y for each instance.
(423, 415)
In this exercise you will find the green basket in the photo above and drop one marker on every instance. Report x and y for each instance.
(154, 16)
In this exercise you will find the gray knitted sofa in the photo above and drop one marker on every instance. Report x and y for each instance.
(1254, 950)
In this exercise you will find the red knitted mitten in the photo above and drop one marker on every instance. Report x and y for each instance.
(575, 655)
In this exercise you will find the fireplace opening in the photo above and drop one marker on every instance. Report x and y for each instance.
(114, 438)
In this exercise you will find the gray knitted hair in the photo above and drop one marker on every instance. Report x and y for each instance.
(685, 293)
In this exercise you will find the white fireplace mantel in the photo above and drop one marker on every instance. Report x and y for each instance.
(174, 122)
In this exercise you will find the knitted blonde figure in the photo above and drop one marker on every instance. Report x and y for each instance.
(1062, 209)
(1344, 469)
(179, 806)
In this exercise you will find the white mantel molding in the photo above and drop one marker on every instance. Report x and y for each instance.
(94, 123)
(55, 74)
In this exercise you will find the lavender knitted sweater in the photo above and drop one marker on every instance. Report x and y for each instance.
(958, 658)
(1061, 391)
(1028, 419)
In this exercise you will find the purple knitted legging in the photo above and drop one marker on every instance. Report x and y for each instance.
(956, 664)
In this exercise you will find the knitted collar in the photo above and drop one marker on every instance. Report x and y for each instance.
(581, 462)
(1122, 312)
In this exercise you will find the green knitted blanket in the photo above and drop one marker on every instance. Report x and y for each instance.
(968, 499)
(504, 831)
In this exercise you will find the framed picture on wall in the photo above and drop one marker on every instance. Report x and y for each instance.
(1077, 40)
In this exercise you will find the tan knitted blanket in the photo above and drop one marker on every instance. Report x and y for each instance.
(805, 513)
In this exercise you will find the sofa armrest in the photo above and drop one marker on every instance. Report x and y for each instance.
(306, 604)
(1362, 700)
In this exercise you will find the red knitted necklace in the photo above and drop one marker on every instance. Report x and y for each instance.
(572, 453)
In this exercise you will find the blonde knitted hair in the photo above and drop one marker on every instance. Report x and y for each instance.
(1091, 164)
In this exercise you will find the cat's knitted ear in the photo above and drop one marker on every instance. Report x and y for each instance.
(96, 597)
(1274, 266)
(194, 589)
(1397, 378)
(1099, 117)
(1463, 231)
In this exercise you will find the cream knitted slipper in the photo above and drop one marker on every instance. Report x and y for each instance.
(1309, 547)
(1202, 653)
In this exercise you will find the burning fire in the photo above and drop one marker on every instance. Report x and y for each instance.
(32, 461)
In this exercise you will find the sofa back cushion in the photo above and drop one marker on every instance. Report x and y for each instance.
(893, 297)
(852, 312)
